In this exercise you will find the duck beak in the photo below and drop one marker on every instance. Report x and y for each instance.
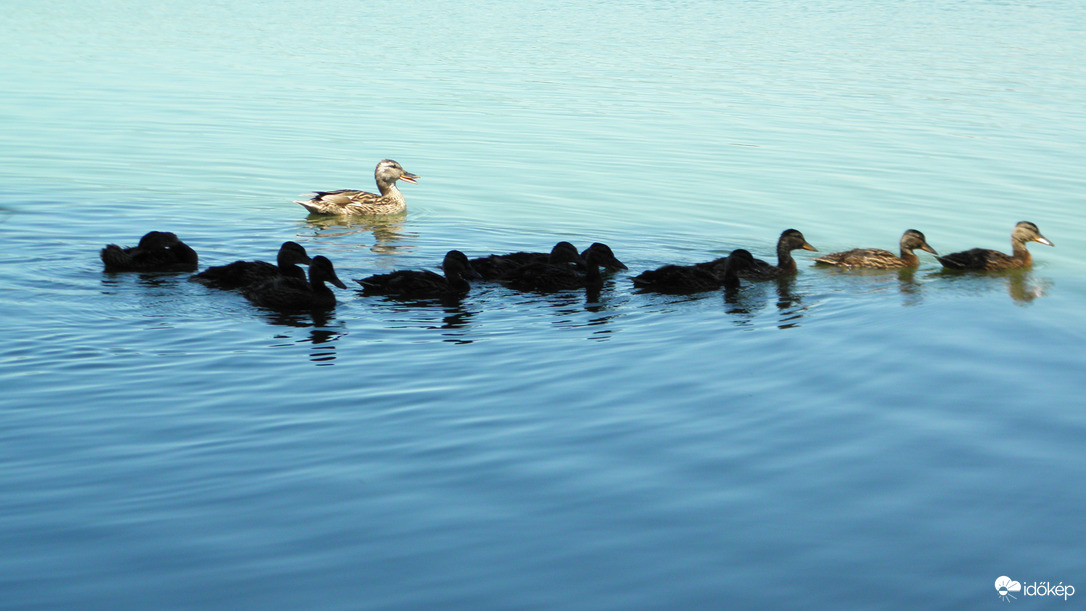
(1043, 240)
(616, 264)
(409, 177)
(807, 246)
(927, 248)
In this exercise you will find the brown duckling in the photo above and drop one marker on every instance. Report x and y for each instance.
(291, 294)
(241, 274)
(563, 271)
(876, 258)
(791, 239)
(350, 201)
(984, 259)
(158, 251)
(424, 284)
(494, 267)
(608, 261)
(701, 277)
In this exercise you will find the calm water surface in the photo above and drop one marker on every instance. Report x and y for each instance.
(838, 440)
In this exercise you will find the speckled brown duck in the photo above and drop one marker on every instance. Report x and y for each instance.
(984, 259)
(348, 201)
(877, 258)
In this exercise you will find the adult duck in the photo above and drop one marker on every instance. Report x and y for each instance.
(698, 278)
(984, 259)
(292, 294)
(157, 251)
(877, 258)
(241, 274)
(424, 284)
(349, 201)
(791, 239)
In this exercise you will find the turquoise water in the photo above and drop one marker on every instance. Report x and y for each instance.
(842, 440)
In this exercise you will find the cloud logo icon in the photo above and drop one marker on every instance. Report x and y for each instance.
(1005, 585)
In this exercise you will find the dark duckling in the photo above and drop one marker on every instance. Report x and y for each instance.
(158, 251)
(608, 259)
(876, 258)
(984, 259)
(708, 276)
(241, 274)
(790, 240)
(424, 284)
(493, 267)
(564, 270)
(291, 294)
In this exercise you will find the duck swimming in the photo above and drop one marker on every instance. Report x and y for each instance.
(158, 251)
(698, 278)
(563, 270)
(791, 239)
(984, 259)
(423, 284)
(241, 274)
(348, 201)
(493, 267)
(608, 259)
(291, 294)
(876, 258)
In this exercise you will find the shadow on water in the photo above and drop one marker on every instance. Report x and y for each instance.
(1020, 284)
(388, 231)
(323, 350)
(448, 315)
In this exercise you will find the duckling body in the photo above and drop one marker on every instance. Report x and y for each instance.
(495, 267)
(876, 258)
(242, 274)
(563, 270)
(984, 259)
(349, 201)
(698, 278)
(424, 284)
(287, 293)
(158, 251)
(791, 239)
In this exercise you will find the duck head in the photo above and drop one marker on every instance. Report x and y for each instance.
(913, 239)
(1026, 231)
(389, 171)
(321, 269)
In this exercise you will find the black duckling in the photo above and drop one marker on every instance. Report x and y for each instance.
(423, 284)
(984, 259)
(291, 294)
(564, 270)
(790, 240)
(876, 258)
(608, 260)
(698, 278)
(493, 267)
(158, 251)
(241, 274)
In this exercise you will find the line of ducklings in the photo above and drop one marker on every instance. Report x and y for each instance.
(284, 286)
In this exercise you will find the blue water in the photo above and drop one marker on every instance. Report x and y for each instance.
(841, 440)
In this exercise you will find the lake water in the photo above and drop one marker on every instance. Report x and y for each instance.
(841, 440)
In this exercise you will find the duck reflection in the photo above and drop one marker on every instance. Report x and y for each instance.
(789, 303)
(388, 232)
(322, 338)
(1020, 283)
(909, 287)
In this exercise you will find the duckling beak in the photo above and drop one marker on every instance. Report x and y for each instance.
(807, 246)
(616, 264)
(409, 177)
(1043, 240)
(927, 248)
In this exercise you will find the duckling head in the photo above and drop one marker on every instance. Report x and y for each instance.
(320, 268)
(456, 264)
(1026, 231)
(609, 260)
(291, 253)
(792, 239)
(564, 252)
(913, 239)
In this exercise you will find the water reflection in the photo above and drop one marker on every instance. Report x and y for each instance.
(322, 339)
(1020, 284)
(789, 303)
(455, 318)
(388, 232)
(909, 287)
